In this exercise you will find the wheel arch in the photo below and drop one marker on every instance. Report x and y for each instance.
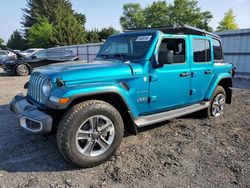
(224, 81)
(115, 100)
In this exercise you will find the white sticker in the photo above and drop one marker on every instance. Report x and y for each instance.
(143, 38)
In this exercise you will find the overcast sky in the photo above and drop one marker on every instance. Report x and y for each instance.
(104, 13)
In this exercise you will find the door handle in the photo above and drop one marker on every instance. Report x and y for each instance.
(184, 74)
(208, 72)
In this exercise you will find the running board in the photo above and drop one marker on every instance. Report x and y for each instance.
(142, 121)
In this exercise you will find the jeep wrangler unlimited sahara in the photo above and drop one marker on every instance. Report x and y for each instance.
(139, 77)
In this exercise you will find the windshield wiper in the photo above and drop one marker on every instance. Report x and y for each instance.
(104, 55)
(119, 55)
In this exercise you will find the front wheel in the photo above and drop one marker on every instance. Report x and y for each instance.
(22, 70)
(217, 103)
(90, 133)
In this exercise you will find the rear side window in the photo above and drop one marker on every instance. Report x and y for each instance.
(201, 50)
(41, 54)
(54, 53)
(217, 50)
(66, 53)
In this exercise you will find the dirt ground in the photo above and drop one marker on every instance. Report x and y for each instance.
(185, 152)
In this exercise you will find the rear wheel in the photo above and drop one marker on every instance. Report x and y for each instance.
(217, 103)
(90, 133)
(22, 70)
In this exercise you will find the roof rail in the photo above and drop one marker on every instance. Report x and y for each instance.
(180, 29)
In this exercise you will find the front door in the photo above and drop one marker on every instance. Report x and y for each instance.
(170, 84)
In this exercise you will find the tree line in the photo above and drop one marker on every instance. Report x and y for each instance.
(49, 23)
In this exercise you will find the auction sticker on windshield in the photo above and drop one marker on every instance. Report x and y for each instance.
(143, 38)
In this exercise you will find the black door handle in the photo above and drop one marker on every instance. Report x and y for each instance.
(184, 74)
(208, 72)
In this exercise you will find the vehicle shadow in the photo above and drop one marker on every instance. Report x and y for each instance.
(21, 151)
(5, 74)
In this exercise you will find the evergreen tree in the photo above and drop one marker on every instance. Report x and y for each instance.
(1, 43)
(39, 35)
(92, 36)
(16, 41)
(68, 26)
(228, 22)
(106, 32)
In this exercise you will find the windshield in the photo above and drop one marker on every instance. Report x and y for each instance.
(126, 47)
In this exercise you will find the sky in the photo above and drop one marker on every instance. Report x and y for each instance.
(105, 13)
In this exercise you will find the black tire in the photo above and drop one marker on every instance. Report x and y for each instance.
(22, 70)
(219, 91)
(72, 121)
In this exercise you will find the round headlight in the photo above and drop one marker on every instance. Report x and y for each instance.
(46, 87)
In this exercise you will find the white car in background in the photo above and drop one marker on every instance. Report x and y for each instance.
(31, 51)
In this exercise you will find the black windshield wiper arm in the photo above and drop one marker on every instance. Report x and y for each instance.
(120, 55)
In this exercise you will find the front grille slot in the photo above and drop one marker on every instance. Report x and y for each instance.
(35, 87)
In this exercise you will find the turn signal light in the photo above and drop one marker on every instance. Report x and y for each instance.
(63, 100)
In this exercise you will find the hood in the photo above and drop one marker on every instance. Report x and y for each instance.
(17, 54)
(78, 72)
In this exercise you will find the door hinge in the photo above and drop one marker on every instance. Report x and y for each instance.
(153, 78)
(152, 99)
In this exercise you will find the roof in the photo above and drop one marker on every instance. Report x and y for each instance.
(182, 29)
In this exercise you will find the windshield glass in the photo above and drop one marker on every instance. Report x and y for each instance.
(126, 47)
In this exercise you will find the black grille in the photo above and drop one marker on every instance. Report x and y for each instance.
(35, 87)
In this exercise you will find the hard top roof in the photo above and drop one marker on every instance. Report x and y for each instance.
(181, 29)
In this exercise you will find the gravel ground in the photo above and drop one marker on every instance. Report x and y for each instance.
(185, 152)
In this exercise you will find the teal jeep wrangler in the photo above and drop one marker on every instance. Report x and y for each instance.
(139, 77)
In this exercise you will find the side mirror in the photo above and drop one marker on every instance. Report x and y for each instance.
(34, 57)
(165, 57)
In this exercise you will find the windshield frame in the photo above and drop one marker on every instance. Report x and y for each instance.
(124, 56)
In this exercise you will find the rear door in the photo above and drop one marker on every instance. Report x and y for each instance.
(201, 67)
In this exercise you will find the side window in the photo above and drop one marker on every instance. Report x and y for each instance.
(217, 50)
(53, 53)
(175, 45)
(41, 54)
(201, 50)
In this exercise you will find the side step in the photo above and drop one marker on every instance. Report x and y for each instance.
(142, 121)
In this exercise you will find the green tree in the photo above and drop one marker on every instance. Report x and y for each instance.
(132, 16)
(68, 31)
(156, 14)
(105, 32)
(68, 26)
(159, 13)
(39, 35)
(228, 22)
(16, 41)
(92, 36)
(1, 43)
(81, 18)
(188, 12)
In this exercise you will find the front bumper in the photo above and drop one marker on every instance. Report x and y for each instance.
(30, 117)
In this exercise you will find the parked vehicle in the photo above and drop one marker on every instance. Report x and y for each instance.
(5, 55)
(140, 77)
(31, 51)
(23, 66)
